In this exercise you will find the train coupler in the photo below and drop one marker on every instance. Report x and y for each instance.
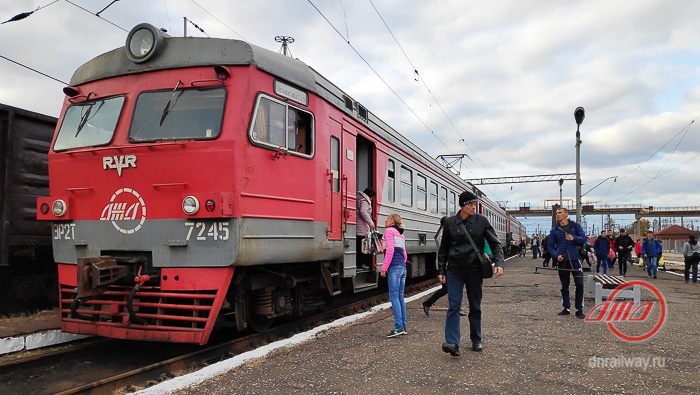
(95, 274)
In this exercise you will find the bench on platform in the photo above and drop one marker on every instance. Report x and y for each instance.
(602, 285)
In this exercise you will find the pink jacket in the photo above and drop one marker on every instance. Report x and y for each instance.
(394, 248)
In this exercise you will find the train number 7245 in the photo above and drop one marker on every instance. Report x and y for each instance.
(204, 231)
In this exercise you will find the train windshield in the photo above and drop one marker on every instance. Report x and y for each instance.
(89, 124)
(178, 114)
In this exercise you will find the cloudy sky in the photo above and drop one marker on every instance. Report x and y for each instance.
(497, 80)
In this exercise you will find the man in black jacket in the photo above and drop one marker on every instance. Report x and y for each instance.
(464, 269)
(624, 245)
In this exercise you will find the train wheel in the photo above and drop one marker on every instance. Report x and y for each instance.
(257, 322)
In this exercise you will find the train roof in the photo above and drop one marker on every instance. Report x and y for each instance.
(177, 52)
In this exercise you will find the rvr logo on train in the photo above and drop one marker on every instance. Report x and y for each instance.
(118, 162)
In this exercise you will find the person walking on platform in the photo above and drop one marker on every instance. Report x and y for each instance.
(545, 252)
(363, 224)
(611, 240)
(461, 233)
(535, 246)
(601, 247)
(651, 250)
(523, 247)
(443, 290)
(691, 254)
(624, 245)
(395, 264)
(562, 245)
(638, 251)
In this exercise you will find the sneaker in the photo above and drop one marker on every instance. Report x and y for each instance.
(579, 314)
(564, 312)
(403, 331)
(394, 333)
(426, 309)
(462, 314)
(654, 275)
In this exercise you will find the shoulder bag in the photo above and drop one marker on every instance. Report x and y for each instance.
(484, 261)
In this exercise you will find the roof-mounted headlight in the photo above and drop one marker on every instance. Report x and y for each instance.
(143, 42)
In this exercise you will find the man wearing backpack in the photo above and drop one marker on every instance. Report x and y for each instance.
(562, 245)
(651, 250)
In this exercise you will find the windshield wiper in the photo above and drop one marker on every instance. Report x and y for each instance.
(167, 108)
(86, 117)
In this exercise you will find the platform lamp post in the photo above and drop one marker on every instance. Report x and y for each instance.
(579, 115)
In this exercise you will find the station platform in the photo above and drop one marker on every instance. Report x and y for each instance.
(528, 348)
(21, 333)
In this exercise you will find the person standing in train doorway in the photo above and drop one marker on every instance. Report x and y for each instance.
(395, 258)
(563, 243)
(464, 269)
(363, 224)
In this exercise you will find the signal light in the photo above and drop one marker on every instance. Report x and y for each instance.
(44, 208)
(209, 205)
(59, 208)
(190, 205)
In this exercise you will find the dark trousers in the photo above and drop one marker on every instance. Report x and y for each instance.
(691, 262)
(566, 281)
(455, 290)
(535, 252)
(437, 295)
(622, 258)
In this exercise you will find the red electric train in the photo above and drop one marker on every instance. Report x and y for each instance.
(202, 181)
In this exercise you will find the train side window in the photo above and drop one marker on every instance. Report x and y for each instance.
(421, 192)
(335, 163)
(406, 187)
(443, 201)
(391, 178)
(277, 124)
(453, 203)
(433, 197)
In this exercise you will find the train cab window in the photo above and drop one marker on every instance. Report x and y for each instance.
(89, 124)
(391, 181)
(406, 187)
(179, 114)
(421, 192)
(443, 201)
(277, 124)
(433, 197)
(335, 163)
(453, 203)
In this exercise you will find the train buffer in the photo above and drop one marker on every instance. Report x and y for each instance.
(602, 285)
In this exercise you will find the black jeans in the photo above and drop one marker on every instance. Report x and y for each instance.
(566, 281)
(437, 295)
(622, 258)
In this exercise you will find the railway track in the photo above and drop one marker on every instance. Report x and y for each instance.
(119, 366)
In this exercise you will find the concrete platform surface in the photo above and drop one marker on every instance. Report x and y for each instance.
(528, 348)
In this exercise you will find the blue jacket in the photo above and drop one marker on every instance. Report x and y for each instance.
(558, 245)
(646, 248)
(601, 246)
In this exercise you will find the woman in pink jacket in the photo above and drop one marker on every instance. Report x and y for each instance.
(395, 264)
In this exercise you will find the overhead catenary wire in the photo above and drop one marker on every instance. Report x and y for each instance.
(218, 20)
(379, 76)
(23, 15)
(34, 70)
(92, 13)
(422, 80)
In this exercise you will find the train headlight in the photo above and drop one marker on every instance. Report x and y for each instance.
(143, 42)
(190, 205)
(59, 208)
